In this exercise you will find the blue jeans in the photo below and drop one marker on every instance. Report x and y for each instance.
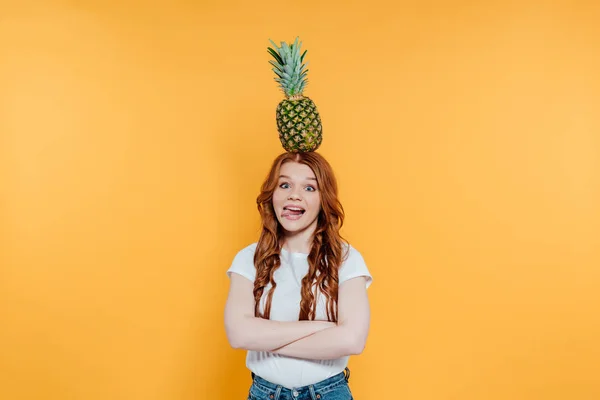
(334, 388)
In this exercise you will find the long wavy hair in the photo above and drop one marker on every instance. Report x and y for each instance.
(325, 257)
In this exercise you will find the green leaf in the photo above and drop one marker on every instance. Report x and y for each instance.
(275, 55)
(277, 66)
(274, 45)
(302, 56)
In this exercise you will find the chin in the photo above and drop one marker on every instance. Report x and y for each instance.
(295, 226)
(291, 227)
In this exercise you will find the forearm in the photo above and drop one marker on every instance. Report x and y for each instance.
(259, 334)
(331, 343)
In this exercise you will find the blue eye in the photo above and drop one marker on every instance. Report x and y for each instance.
(286, 185)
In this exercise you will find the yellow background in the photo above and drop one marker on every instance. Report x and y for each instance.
(134, 137)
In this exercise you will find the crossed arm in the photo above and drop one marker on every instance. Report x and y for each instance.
(317, 340)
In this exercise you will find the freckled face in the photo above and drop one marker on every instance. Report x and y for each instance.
(297, 199)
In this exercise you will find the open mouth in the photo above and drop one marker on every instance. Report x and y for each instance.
(293, 213)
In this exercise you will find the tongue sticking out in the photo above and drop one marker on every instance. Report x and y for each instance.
(287, 212)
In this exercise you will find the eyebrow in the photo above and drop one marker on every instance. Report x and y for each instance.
(287, 177)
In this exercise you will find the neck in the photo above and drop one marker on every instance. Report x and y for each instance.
(295, 244)
(299, 242)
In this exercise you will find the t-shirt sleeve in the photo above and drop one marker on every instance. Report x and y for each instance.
(243, 264)
(354, 266)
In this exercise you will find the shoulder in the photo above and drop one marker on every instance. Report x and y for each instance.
(351, 255)
(243, 262)
(249, 250)
(350, 252)
(353, 265)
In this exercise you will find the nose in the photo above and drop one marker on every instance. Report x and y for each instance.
(293, 195)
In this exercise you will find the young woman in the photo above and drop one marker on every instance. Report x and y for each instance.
(297, 300)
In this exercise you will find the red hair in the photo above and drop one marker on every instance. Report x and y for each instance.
(325, 257)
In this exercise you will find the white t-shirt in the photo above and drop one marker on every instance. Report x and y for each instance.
(293, 372)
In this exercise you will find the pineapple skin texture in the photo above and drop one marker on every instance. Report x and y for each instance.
(299, 125)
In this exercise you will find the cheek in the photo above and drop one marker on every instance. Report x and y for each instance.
(278, 199)
(315, 205)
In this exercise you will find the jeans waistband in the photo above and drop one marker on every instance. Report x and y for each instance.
(322, 385)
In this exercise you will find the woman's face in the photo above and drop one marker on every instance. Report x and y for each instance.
(297, 199)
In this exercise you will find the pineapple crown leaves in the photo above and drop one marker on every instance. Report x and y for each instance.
(291, 73)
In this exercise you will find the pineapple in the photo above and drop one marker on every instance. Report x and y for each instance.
(298, 120)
